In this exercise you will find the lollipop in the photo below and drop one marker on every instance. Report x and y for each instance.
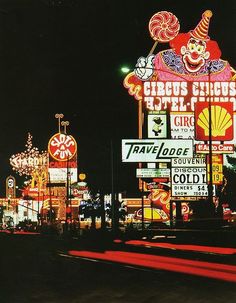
(163, 27)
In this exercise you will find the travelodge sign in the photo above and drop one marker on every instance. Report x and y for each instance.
(151, 150)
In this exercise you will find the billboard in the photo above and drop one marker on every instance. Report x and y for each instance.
(189, 177)
(150, 150)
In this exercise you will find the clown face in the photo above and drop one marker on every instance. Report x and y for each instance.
(194, 55)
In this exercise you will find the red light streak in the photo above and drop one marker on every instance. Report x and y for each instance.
(199, 268)
(199, 248)
(6, 231)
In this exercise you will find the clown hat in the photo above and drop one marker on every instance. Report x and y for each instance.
(201, 30)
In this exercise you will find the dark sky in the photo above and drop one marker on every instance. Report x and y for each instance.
(65, 57)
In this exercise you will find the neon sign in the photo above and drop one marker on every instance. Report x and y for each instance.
(62, 147)
(182, 96)
(221, 121)
(26, 162)
(191, 56)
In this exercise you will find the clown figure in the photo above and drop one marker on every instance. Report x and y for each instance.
(193, 57)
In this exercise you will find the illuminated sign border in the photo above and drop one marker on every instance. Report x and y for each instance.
(221, 129)
(68, 158)
(151, 150)
(182, 96)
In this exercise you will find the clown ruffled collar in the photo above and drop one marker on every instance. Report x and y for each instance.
(174, 63)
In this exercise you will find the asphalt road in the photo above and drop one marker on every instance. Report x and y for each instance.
(37, 268)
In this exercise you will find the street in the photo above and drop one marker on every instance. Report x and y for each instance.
(44, 268)
(118, 154)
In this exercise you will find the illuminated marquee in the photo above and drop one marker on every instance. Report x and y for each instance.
(62, 147)
(188, 177)
(19, 162)
(26, 162)
(182, 96)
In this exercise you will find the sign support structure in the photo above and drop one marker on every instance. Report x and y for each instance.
(210, 186)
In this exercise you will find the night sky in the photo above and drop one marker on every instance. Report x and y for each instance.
(65, 57)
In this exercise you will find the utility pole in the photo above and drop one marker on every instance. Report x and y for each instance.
(50, 198)
(113, 208)
(103, 215)
(38, 210)
(67, 193)
(210, 184)
(142, 203)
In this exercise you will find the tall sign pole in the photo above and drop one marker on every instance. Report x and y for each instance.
(210, 185)
(113, 208)
(65, 124)
(50, 199)
(62, 149)
(59, 117)
(140, 136)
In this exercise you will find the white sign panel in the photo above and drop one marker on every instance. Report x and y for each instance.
(150, 150)
(187, 181)
(182, 125)
(60, 174)
(189, 177)
(152, 172)
(189, 162)
(157, 126)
